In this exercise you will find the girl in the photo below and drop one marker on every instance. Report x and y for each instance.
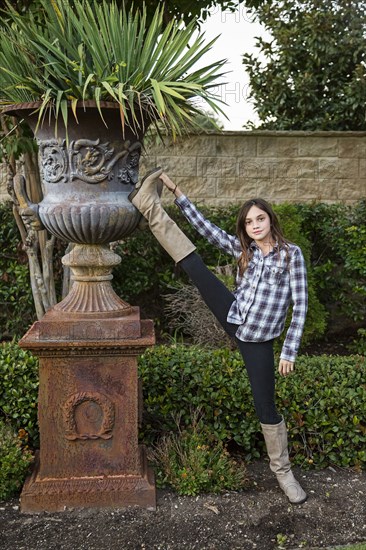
(271, 275)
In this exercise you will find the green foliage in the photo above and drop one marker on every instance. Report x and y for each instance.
(338, 234)
(82, 50)
(323, 402)
(16, 302)
(313, 76)
(17, 143)
(359, 344)
(179, 380)
(15, 460)
(179, 9)
(194, 462)
(144, 266)
(19, 389)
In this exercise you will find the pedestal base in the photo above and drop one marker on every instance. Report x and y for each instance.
(115, 491)
(88, 413)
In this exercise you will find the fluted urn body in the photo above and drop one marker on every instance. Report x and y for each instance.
(87, 173)
(87, 179)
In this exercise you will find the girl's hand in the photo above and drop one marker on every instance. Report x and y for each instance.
(285, 367)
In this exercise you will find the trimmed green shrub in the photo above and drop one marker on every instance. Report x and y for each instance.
(15, 460)
(323, 402)
(179, 380)
(19, 388)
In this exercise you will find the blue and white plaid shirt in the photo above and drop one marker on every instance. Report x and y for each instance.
(265, 290)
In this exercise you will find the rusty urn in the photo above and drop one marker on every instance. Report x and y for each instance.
(88, 344)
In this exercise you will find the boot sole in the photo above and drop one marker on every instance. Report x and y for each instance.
(300, 501)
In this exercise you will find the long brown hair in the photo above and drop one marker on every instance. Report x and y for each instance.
(242, 234)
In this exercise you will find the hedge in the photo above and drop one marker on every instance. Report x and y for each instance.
(19, 389)
(323, 402)
(15, 460)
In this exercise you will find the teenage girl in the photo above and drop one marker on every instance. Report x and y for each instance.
(271, 275)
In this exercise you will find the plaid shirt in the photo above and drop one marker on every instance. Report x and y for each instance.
(265, 290)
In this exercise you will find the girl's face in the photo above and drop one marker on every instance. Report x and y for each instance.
(258, 225)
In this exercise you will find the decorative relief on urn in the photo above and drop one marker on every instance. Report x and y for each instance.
(54, 165)
(129, 173)
(89, 161)
(88, 415)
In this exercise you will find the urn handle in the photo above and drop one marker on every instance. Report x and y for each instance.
(27, 209)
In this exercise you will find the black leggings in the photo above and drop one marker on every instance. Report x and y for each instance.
(258, 356)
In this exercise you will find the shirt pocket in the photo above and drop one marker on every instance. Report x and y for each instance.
(274, 275)
(249, 273)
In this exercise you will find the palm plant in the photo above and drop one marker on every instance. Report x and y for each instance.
(70, 52)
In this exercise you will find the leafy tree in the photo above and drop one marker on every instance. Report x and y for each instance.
(186, 9)
(314, 73)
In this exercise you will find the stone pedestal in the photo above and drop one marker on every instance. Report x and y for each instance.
(89, 408)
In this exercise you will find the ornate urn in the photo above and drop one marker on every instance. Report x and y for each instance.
(87, 174)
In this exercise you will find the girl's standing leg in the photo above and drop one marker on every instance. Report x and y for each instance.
(259, 363)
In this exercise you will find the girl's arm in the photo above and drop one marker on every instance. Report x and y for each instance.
(216, 236)
(299, 293)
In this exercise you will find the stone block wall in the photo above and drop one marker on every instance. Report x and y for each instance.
(222, 168)
(279, 166)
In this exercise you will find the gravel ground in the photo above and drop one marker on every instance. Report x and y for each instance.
(258, 518)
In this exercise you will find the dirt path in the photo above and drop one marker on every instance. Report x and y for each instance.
(258, 518)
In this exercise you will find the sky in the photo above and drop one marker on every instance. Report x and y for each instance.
(238, 32)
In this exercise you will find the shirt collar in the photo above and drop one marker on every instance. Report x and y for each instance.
(253, 245)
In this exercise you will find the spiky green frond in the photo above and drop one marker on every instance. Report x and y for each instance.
(96, 51)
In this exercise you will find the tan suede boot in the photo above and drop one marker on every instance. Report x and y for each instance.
(146, 198)
(154, 174)
(275, 436)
